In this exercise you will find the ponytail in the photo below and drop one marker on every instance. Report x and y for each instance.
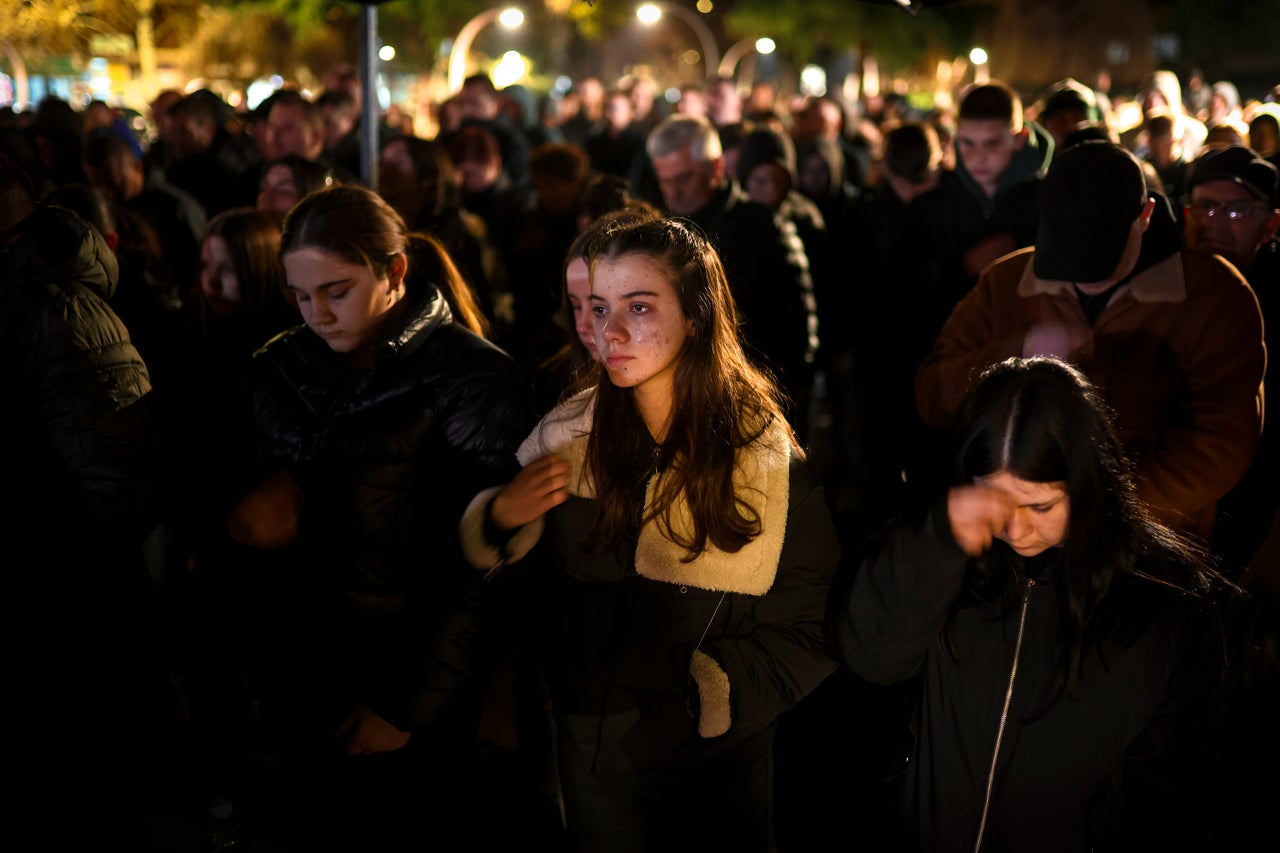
(430, 262)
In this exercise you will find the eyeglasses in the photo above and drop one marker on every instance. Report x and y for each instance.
(1234, 211)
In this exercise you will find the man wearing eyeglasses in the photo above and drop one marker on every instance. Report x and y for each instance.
(1232, 211)
(1171, 338)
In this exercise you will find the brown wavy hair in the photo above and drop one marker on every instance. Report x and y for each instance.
(723, 402)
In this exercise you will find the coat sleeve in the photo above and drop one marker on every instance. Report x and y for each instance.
(1206, 450)
(785, 655)
(970, 341)
(891, 614)
(99, 422)
(772, 286)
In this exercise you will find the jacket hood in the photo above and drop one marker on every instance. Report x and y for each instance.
(58, 247)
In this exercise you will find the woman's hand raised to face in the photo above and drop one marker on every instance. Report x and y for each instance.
(977, 514)
(541, 485)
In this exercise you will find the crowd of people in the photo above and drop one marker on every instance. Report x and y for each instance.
(747, 472)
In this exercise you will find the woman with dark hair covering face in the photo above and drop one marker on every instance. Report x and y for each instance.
(377, 419)
(689, 556)
(1067, 645)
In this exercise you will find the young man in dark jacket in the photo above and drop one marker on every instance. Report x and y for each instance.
(982, 209)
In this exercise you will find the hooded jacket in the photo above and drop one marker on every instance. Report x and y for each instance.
(86, 454)
(943, 224)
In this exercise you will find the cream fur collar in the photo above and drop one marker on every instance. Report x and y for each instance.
(762, 476)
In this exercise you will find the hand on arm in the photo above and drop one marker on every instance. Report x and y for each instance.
(540, 485)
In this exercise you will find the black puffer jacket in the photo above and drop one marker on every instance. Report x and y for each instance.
(386, 459)
(84, 456)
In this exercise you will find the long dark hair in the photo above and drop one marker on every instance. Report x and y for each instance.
(1042, 421)
(253, 241)
(722, 403)
(355, 224)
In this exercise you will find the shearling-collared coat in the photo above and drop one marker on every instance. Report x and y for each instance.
(1177, 353)
(655, 662)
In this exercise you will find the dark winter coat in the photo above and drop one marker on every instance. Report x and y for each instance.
(768, 271)
(386, 459)
(943, 224)
(657, 663)
(84, 447)
(1120, 761)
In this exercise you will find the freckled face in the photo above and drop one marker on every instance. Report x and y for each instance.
(1040, 517)
(577, 283)
(640, 328)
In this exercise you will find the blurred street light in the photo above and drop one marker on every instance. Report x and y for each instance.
(734, 55)
(511, 69)
(510, 17)
(978, 57)
(651, 13)
(813, 81)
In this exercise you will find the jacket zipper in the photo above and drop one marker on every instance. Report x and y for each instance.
(1004, 714)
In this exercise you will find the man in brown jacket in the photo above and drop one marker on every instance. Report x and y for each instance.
(1173, 340)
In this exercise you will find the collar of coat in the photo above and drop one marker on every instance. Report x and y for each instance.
(762, 477)
(1163, 282)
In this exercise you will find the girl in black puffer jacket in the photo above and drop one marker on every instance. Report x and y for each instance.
(379, 418)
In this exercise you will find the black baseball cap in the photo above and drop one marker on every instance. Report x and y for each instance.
(1087, 202)
(1238, 164)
